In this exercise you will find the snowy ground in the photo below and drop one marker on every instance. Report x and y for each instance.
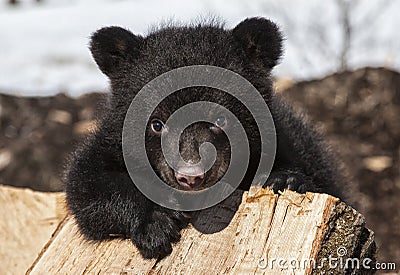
(43, 48)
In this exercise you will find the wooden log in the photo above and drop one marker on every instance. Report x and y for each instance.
(28, 219)
(253, 232)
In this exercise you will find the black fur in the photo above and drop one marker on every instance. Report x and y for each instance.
(100, 193)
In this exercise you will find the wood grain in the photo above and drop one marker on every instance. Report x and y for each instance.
(28, 219)
(238, 236)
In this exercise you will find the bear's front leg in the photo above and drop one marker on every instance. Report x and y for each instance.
(155, 234)
(289, 178)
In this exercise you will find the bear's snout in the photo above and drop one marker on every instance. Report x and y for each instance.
(190, 176)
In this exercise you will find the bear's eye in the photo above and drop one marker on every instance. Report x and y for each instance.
(157, 126)
(220, 122)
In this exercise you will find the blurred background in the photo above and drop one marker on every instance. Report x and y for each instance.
(340, 68)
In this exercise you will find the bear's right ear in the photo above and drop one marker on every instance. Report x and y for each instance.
(112, 47)
(260, 40)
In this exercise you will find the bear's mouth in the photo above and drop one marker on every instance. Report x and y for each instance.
(196, 185)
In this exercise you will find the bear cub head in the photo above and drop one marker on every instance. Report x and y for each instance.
(130, 61)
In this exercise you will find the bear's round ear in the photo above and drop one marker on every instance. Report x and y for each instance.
(260, 40)
(112, 47)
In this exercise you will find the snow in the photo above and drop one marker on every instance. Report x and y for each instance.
(43, 47)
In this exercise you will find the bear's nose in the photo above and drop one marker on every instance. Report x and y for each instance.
(190, 177)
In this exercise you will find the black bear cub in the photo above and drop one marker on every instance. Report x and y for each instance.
(100, 192)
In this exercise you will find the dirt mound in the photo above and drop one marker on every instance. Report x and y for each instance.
(37, 133)
(359, 112)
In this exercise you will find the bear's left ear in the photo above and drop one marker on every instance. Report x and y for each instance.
(112, 47)
(260, 40)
